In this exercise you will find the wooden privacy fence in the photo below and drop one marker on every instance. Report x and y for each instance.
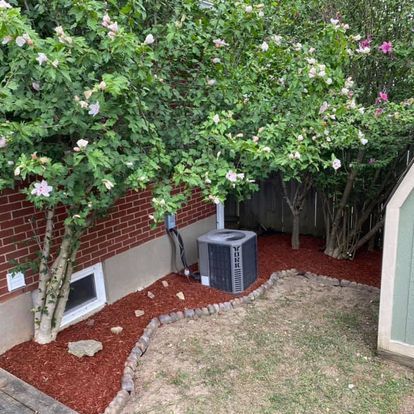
(267, 209)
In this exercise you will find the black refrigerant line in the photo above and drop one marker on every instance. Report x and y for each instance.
(183, 257)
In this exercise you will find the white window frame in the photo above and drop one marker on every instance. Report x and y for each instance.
(89, 307)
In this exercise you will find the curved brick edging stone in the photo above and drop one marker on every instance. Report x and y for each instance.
(127, 381)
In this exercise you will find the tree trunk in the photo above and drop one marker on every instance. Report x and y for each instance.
(295, 230)
(55, 290)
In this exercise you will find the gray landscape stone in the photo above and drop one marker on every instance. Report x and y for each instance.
(83, 348)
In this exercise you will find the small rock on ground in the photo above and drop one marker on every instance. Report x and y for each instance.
(150, 295)
(139, 313)
(165, 283)
(84, 348)
(117, 330)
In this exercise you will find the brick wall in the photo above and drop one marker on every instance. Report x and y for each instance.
(126, 226)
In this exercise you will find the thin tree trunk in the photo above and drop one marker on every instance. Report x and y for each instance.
(44, 275)
(295, 231)
(332, 244)
(51, 295)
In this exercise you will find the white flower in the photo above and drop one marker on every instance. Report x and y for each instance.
(361, 110)
(10, 163)
(112, 35)
(216, 60)
(214, 199)
(41, 58)
(324, 107)
(216, 119)
(149, 40)
(352, 104)
(82, 143)
(4, 5)
(88, 93)
(335, 22)
(59, 31)
(297, 46)
(261, 13)
(20, 41)
(94, 109)
(3, 142)
(6, 39)
(211, 82)
(106, 20)
(322, 74)
(219, 43)
(351, 386)
(42, 189)
(36, 86)
(102, 86)
(349, 83)
(312, 50)
(345, 91)
(239, 135)
(55, 63)
(264, 46)
(248, 9)
(240, 176)
(364, 50)
(312, 72)
(255, 138)
(345, 26)
(294, 155)
(151, 217)
(364, 141)
(277, 39)
(129, 164)
(311, 61)
(336, 164)
(207, 181)
(231, 176)
(356, 38)
(329, 81)
(17, 171)
(300, 138)
(266, 149)
(83, 104)
(108, 184)
(113, 27)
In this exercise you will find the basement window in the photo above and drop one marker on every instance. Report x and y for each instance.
(87, 294)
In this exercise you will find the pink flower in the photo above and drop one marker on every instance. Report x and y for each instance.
(4, 5)
(386, 48)
(106, 20)
(3, 142)
(232, 176)
(378, 112)
(41, 58)
(382, 97)
(365, 43)
(219, 43)
(336, 164)
(94, 109)
(42, 189)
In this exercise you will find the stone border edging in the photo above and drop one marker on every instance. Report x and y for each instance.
(127, 381)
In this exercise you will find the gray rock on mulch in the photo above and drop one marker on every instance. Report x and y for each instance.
(83, 348)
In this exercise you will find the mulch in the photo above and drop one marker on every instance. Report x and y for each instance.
(87, 385)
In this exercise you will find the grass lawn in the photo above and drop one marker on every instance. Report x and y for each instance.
(306, 347)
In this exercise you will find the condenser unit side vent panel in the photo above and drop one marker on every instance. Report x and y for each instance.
(249, 261)
(220, 267)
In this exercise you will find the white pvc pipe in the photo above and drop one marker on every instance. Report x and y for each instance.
(220, 216)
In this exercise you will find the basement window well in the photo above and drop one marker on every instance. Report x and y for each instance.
(87, 294)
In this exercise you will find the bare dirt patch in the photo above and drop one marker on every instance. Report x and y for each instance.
(307, 347)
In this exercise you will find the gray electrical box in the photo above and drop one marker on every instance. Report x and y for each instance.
(228, 259)
(170, 222)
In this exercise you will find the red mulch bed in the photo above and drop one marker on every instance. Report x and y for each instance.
(88, 385)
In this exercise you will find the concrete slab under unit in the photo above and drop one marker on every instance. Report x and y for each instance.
(18, 397)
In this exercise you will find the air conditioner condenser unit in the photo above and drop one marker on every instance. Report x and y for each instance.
(228, 259)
